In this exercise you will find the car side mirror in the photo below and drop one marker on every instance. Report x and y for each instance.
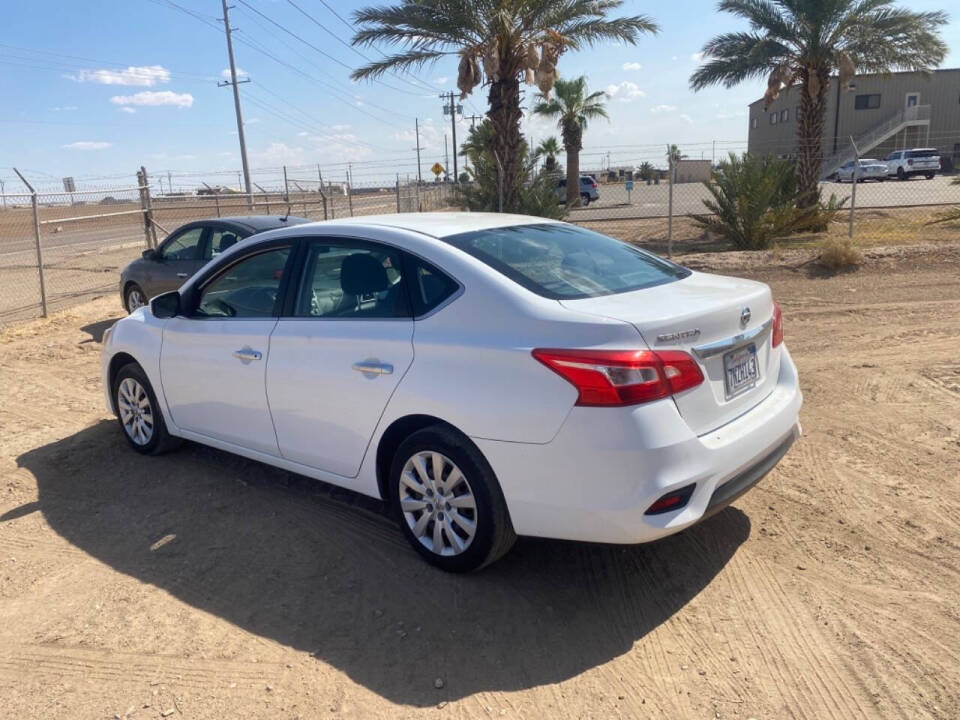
(166, 305)
(150, 254)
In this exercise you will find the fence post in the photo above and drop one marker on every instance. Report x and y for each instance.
(149, 226)
(36, 236)
(398, 192)
(349, 194)
(853, 190)
(322, 193)
(333, 201)
(670, 172)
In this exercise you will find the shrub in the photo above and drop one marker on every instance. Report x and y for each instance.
(839, 253)
(755, 202)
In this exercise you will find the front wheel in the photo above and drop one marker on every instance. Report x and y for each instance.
(139, 412)
(448, 502)
(134, 298)
(585, 198)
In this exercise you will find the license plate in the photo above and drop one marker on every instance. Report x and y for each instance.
(740, 370)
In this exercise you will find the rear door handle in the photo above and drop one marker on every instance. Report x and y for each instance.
(181, 275)
(373, 368)
(247, 355)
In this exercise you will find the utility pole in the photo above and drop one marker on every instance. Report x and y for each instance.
(453, 110)
(236, 100)
(169, 182)
(416, 125)
(446, 156)
(2, 194)
(473, 120)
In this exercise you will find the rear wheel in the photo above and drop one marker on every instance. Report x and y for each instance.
(448, 502)
(930, 176)
(139, 413)
(586, 199)
(901, 175)
(134, 298)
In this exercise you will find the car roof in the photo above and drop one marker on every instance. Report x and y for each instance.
(437, 224)
(260, 223)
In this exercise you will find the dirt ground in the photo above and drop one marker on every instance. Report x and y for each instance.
(201, 585)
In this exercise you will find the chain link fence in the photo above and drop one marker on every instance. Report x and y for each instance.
(58, 248)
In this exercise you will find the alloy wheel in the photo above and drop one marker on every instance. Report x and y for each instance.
(136, 413)
(438, 503)
(135, 299)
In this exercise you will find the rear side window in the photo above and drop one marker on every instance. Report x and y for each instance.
(565, 262)
(428, 286)
(922, 153)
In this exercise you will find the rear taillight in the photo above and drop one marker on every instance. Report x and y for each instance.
(614, 378)
(777, 337)
(594, 185)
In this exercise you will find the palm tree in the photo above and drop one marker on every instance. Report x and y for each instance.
(512, 39)
(550, 148)
(572, 108)
(800, 42)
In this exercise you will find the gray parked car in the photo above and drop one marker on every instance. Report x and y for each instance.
(588, 190)
(186, 250)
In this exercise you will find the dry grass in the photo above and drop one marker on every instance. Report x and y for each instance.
(839, 253)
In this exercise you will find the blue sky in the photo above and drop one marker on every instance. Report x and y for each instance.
(100, 87)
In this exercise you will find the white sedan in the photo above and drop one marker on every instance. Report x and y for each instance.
(487, 375)
(868, 170)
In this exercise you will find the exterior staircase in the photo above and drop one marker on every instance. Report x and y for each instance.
(916, 116)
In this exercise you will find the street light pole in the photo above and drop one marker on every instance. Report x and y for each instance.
(416, 125)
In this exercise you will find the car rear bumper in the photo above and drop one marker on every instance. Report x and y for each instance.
(596, 479)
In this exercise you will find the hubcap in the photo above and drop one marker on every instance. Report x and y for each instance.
(135, 411)
(438, 503)
(135, 300)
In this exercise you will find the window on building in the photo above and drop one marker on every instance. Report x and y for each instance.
(773, 118)
(784, 115)
(866, 102)
(754, 123)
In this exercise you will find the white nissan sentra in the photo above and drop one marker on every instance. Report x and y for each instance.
(487, 375)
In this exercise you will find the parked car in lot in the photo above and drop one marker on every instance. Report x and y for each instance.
(920, 161)
(186, 250)
(488, 375)
(589, 190)
(867, 170)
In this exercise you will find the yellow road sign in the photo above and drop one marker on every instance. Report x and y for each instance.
(437, 169)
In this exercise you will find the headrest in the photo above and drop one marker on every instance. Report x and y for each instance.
(227, 241)
(362, 274)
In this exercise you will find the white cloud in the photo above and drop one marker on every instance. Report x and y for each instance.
(88, 145)
(127, 109)
(442, 80)
(150, 98)
(697, 57)
(241, 73)
(663, 108)
(635, 66)
(303, 133)
(625, 91)
(142, 76)
(251, 121)
(64, 108)
(730, 115)
(686, 118)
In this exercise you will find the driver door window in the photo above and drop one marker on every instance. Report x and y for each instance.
(247, 289)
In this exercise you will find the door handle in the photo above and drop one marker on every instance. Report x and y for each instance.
(371, 367)
(247, 354)
(181, 275)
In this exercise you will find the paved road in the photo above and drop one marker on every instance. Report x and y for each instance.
(653, 200)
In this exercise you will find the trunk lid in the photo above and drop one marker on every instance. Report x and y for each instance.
(702, 315)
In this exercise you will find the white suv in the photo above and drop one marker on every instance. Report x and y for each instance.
(919, 161)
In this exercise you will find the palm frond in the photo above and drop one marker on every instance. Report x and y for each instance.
(400, 61)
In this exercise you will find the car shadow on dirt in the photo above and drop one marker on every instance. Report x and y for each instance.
(328, 572)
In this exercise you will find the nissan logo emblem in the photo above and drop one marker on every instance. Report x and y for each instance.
(745, 316)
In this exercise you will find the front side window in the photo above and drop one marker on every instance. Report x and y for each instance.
(185, 246)
(352, 281)
(247, 289)
(566, 262)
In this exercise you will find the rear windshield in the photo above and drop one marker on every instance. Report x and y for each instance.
(566, 262)
(922, 153)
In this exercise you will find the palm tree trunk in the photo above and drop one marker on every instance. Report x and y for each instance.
(505, 114)
(573, 143)
(810, 134)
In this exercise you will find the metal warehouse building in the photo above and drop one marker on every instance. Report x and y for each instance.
(883, 113)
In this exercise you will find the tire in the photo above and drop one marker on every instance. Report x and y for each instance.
(153, 438)
(419, 511)
(134, 297)
(585, 198)
(901, 175)
(930, 176)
